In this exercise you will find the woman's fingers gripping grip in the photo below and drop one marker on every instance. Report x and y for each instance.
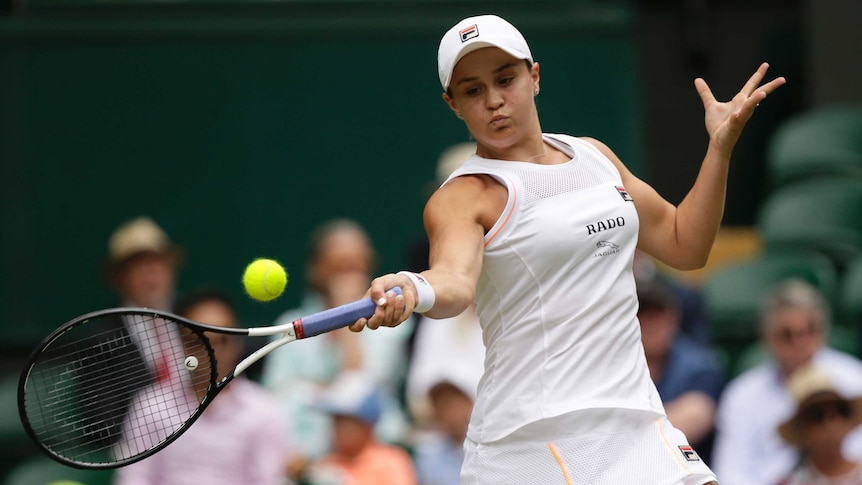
(390, 310)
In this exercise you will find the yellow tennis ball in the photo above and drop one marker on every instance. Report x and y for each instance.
(264, 279)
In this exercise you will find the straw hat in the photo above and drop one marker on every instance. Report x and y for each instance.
(137, 236)
(811, 386)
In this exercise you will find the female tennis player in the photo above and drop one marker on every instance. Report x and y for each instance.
(540, 230)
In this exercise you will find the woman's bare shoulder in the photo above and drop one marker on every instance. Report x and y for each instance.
(475, 197)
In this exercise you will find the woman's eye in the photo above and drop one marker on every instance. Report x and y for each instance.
(506, 81)
(472, 91)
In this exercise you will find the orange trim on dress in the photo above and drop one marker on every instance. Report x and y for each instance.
(669, 447)
(508, 216)
(560, 462)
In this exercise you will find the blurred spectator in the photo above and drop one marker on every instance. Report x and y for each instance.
(340, 262)
(687, 374)
(694, 320)
(794, 326)
(822, 421)
(141, 269)
(357, 457)
(444, 375)
(141, 265)
(238, 439)
(443, 349)
(438, 450)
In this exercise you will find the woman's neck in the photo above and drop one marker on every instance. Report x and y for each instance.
(533, 152)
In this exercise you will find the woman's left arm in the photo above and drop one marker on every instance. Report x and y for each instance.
(682, 236)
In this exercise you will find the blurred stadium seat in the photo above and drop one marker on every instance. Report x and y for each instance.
(823, 214)
(823, 142)
(850, 296)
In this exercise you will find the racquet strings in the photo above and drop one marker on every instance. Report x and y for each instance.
(114, 386)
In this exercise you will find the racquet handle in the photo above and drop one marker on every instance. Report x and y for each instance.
(340, 316)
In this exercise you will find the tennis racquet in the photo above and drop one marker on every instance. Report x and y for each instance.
(112, 387)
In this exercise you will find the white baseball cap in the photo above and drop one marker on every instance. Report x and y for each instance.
(475, 33)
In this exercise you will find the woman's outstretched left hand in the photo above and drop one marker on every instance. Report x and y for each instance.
(725, 120)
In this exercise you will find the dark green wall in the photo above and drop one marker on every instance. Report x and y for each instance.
(240, 129)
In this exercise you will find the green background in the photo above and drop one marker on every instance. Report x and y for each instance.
(239, 128)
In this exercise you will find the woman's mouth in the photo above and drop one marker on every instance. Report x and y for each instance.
(498, 120)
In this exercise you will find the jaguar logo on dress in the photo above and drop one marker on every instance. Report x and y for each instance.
(606, 248)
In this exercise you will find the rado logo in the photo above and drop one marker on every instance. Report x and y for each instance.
(605, 225)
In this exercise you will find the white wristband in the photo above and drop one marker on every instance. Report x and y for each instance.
(425, 295)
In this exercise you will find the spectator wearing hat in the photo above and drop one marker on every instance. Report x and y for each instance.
(823, 419)
(438, 451)
(141, 265)
(358, 457)
(687, 374)
(445, 349)
(141, 269)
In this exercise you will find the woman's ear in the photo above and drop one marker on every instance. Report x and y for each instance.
(534, 73)
(448, 100)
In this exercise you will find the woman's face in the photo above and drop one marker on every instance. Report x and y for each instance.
(493, 92)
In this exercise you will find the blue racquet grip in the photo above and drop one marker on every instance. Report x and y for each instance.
(338, 317)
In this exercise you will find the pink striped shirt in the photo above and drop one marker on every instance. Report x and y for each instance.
(239, 439)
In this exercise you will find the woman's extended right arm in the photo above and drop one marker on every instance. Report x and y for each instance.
(456, 218)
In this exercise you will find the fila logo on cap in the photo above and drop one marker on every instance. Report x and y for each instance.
(469, 33)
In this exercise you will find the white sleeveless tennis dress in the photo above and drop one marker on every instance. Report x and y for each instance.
(566, 397)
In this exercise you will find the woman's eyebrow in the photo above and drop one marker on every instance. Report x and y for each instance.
(505, 66)
(495, 71)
